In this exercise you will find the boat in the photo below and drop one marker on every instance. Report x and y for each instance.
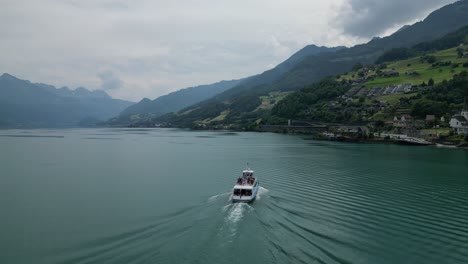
(414, 142)
(246, 187)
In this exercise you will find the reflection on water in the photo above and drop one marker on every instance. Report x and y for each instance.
(32, 136)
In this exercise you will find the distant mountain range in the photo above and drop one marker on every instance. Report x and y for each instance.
(173, 102)
(242, 103)
(31, 105)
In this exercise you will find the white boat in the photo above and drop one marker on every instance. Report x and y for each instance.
(414, 141)
(246, 187)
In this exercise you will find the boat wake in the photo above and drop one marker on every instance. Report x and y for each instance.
(218, 196)
(262, 191)
(236, 211)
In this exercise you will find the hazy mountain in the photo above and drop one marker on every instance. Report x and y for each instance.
(25, 104)
(279, 71)
(241, 100)
(79, 92)
(172, 102)
(181, 99)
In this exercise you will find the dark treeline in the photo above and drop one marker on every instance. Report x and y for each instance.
(444, 98)
(308, 102)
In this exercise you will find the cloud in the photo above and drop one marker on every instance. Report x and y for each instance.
(109, 81)
(148, 48)
(370, 18)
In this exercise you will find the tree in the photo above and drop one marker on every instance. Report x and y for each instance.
(428, 58)
(431, 82)
(466, 137)
(431, 59)
(357, 66)
(460, 52)
(380, 124)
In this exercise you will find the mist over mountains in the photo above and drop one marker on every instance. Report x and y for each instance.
(24, 104)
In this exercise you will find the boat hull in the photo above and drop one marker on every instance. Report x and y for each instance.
(238, 199)
(410, 142)
(246, 199)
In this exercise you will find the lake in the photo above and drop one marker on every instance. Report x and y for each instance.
(162, 196)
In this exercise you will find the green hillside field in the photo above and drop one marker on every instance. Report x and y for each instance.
(424, 70)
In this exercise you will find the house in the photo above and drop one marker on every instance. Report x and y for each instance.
(391, 74)
(353, 131)
(459, 123)
(412, 73)
(403, 121)
(406, 118)
(407, 87)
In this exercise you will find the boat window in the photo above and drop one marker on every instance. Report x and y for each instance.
(248, 192)
(237, 192)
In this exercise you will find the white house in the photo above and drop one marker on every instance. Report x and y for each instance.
(459, 123)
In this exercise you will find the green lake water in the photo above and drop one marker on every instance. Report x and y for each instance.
(162, 196)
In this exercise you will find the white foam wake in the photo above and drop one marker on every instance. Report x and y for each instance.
(236, 211)
(218, 196)
(261, 191)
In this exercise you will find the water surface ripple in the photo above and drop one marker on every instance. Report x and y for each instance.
(162, 196)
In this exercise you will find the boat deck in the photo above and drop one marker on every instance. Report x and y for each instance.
(246, 181)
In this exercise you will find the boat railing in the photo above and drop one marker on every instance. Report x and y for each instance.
(246, 181)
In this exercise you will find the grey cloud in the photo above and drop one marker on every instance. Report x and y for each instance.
(109, 81)
(369, 18)
(147, 48)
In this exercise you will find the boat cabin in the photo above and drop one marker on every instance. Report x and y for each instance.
(247, 179)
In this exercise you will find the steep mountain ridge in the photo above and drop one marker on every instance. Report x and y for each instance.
(172, 102)
(237, 103)
(181, 99)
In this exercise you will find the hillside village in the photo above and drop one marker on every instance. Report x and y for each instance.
(444, 61)
(372, 102)
(380, 91)
(381, 98)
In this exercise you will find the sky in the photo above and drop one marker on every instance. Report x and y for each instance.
(148, 48)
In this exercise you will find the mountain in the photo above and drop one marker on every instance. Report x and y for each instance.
(172, 102)
(243, 102)
(448, 41)
(26, 104)
(244, 84)
(79, 92)
(277, 72)
(431, 83)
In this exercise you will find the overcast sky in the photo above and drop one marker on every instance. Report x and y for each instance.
(147, 48)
